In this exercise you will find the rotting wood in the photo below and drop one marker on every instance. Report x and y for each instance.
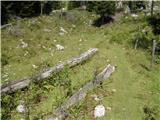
(19, 84)
(61, 112)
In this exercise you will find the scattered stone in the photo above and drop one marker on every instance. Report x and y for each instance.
(73, 25)
(108, 60)
(47, 30)
(134, 16)
(109, 108)
(63, 30)
(59, 47)
(22, 44)
(80, 40)
(34, 66)
(43, 47)
(99, 111)
(114, 90)
(21, 108)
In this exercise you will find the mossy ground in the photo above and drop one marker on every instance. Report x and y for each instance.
(136, 85)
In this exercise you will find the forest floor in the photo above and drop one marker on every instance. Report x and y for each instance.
(132, 92)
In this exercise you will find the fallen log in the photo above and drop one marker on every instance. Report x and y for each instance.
(6, 25)
(19, 84)
(60, 112)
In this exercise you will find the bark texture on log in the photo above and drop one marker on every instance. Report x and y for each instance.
(19, 84)
(61, 113)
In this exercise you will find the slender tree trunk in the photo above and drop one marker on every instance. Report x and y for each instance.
(66, 5)
(152, 5)
(153, 54)
(42, 4)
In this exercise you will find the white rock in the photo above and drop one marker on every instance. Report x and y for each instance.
(148, 14)
(114, 90)
(24, 45)
(43, 47)
(47, 30)
(63, 30)
(21, 108)
(108, 108)
(80, 40)
(34, 66)
(59, 47)
(73, 25)
(99, 111)
(134, 15)
(143, 30)
(108, 60)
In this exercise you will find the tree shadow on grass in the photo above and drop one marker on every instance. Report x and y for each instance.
(102, 21)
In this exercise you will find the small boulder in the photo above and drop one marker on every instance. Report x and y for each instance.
(99, 111)
(47, 30)
(59, 47)
(63, 30)
(134, 16)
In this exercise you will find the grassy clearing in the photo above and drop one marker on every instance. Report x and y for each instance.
(136, 86)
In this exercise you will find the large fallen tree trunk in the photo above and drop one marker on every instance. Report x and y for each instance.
(19, 84)
(61, 112)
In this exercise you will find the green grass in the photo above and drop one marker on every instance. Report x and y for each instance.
(136, 86)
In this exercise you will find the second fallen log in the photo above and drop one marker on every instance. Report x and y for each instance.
(61, 112)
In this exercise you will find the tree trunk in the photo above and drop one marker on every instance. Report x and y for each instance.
(13, 86)
(42, 4)
(81, 93)
(153, 54)
(66, 5)
(152, 6)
